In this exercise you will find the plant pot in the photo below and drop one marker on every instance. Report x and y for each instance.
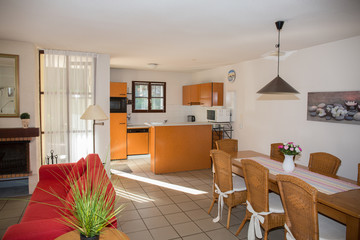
(83, 237)
(288, 164)
(25, 123)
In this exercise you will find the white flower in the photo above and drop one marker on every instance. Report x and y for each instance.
(297, 150)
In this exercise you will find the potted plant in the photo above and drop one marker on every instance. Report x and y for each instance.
(25, 119)
(89, 205)
(289, 150)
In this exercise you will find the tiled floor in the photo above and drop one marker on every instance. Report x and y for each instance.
(157, 212)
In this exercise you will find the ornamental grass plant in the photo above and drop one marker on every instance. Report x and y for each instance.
(89, 204)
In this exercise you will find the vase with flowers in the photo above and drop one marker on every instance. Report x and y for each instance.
(289, 150)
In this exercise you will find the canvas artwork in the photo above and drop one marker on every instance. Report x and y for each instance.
(339, 107)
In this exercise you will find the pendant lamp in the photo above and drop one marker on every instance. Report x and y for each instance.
(278, 85)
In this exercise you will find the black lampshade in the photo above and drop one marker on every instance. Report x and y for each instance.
(276, 86)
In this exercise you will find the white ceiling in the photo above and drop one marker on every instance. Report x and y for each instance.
(179, 35)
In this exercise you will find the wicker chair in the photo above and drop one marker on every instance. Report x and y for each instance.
(300, 203)
(324, 163)
(227, 145)
(257, 184)
(275, 153)
(226, 182)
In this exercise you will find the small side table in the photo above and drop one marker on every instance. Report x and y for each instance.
(106, 234)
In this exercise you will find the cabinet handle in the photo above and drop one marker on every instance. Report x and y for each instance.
(122, 123)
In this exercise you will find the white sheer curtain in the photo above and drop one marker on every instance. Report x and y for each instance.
(68, 91)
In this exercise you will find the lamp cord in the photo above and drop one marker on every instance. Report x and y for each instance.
(278, 47)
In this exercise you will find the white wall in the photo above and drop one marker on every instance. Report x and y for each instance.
(102, 133)
(175, 112)
(29, 100)
(28, 97)
(263, 119)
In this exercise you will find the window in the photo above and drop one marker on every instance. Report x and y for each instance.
(148, 97)
(66, 90)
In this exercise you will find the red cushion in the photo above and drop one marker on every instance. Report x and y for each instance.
(39, 211)
(55, 171)
(93, 161)
(78, 170)
(48, 190)
(36, 230)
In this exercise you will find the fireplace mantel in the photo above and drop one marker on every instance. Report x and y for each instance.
(19, 132)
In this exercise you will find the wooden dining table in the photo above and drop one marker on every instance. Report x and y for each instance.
(342, 206)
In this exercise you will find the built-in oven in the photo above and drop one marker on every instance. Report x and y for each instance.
(118, 104)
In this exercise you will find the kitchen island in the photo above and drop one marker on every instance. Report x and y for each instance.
(180, 147)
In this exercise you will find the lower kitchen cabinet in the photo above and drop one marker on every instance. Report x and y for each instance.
(118, 136)
(137, 141)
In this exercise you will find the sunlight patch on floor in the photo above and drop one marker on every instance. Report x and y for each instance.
(132, 196)
(158, 183)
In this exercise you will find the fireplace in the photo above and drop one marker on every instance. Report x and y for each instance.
(14, 151)
(14, 157)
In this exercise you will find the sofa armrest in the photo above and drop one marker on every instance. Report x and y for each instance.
(55, 171)
(37, 230)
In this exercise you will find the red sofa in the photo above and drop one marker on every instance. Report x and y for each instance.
(41, 221)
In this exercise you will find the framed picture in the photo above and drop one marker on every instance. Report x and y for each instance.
(336, 107)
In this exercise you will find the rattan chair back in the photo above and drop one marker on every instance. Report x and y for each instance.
(275, 153)
(227, 145)
(299, 201)
(256, 179)
(223, 169)
(324, 163)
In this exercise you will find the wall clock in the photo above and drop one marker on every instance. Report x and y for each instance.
(231, 75)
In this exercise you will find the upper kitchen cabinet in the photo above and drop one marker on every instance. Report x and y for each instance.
(118, 89)
(217, 94)
(191, 95)
(206, 94)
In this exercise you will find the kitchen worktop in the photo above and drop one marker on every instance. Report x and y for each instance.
(134, 126)
(161, 124)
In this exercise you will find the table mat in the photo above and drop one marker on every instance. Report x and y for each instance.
(322, 183)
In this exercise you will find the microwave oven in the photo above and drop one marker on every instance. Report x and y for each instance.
(118, 104)
(219, 115)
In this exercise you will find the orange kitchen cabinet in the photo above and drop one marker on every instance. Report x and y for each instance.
(191, 95)
(118, 134)
(186, 95)
(205, 94)
(180, 148)
(118, 89)
(195, 94)
(137, 142)
(211, 94)
(217, 94)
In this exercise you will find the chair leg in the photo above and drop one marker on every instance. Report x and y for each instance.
(228, 219)
(211, 206)
(266, 235)
(241, 225)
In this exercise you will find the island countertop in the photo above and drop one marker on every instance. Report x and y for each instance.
(161, 124)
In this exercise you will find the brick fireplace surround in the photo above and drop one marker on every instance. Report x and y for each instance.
(14, 151)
